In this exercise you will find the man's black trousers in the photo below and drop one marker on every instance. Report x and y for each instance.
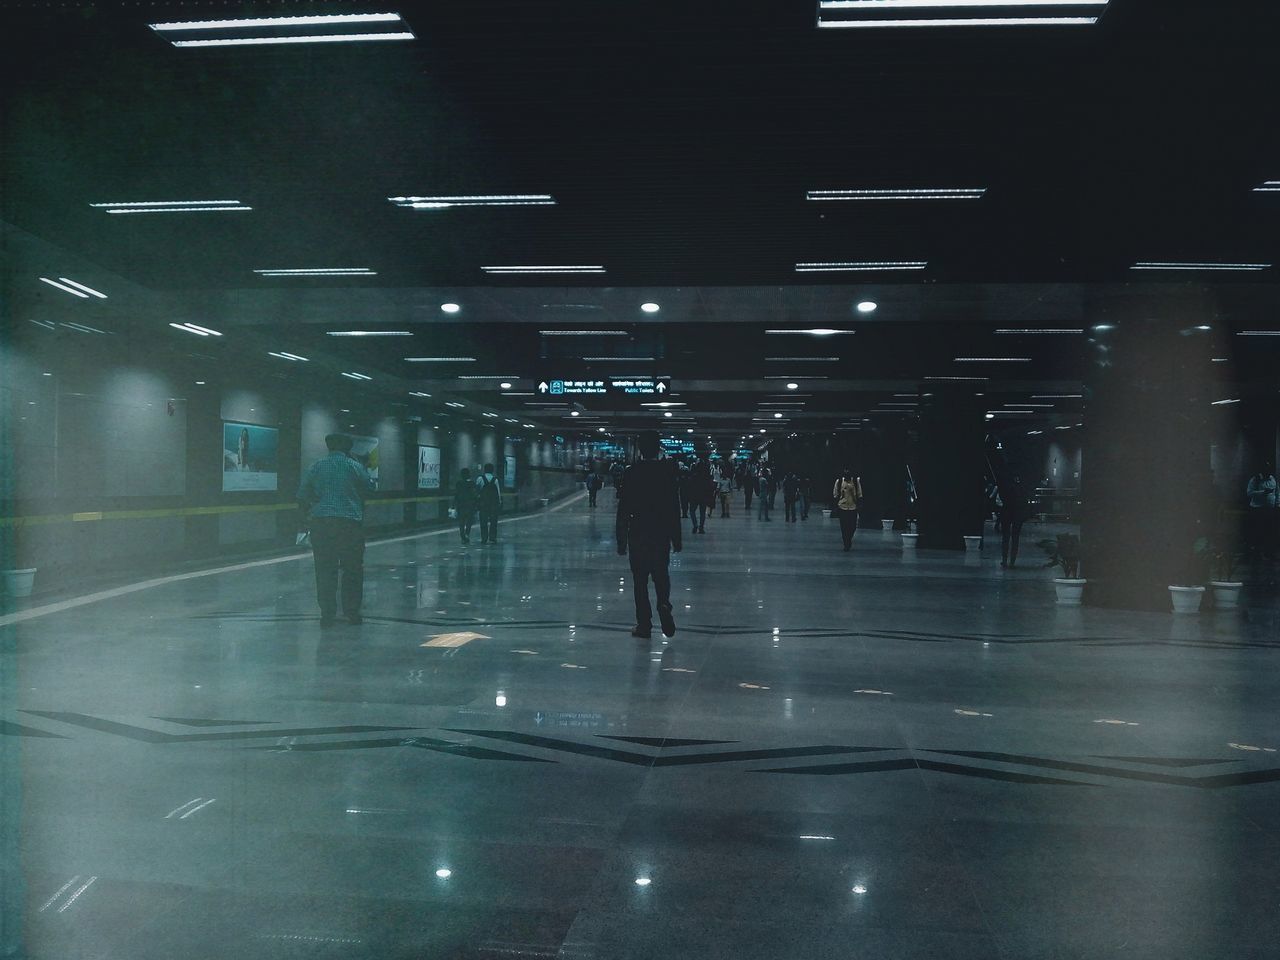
(338, 547)
(649, 560)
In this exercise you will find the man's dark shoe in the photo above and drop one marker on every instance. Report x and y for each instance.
(641, 632)
(668, 622)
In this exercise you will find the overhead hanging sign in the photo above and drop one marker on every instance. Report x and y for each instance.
(640, 386)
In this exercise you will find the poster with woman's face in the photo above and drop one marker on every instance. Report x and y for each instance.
(249, 455)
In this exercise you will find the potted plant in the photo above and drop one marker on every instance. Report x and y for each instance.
(1188, 593)
(1064, 553)
(1226, 588)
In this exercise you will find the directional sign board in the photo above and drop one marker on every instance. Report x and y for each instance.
(640, 386)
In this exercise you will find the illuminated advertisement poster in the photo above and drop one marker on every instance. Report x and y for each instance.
(428, 468)
(248, 457)
(509, 478)
(365, 449)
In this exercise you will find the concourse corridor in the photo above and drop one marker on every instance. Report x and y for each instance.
(877, 754)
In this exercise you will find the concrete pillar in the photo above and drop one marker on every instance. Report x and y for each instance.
(951, 465)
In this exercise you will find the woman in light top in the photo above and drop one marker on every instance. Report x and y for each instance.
(847, 494)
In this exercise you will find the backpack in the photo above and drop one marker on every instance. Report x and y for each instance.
(489, 493)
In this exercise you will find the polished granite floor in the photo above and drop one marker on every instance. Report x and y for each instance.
(839, 755)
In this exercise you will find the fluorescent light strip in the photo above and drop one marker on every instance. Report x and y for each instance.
(418, 393)
(810, 332)
(64, 288)
(1258, 333)
(967, 22)
(315, 271)
(1200, 266)
(1222, 403)
(305, 21)
(287, 356)
(86, 289)
(919, 193)
(43, 323)
(440, 359)
(356, 376)
(1057, 396)
(1270, 186)
(456, 406)
(369, 333)
(617, 359)
(486, 376)
(913, 4)
(957, 378)
(192, 328)
(992, 360)
(1040, 331)
(495, 200)
(802, 359)
(552, 269)
(83, 329)
(1032, 406)
(139, 204)
(583, 333)
(808, 376)
(861, 267)
(317, 38)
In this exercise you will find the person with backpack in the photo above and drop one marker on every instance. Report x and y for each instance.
(594, 483)
(489, 503)
(464, 504)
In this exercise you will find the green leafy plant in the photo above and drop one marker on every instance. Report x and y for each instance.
(1064, 552)
(1224, 556)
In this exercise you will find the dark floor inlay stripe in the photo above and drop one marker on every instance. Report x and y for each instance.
(156, 736)
(8, 729)
(839, 769)
(1075, 767)
(665, 741)
(201, 722)
(1169, 761)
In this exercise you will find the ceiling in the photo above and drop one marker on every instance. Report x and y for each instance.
(679, 142)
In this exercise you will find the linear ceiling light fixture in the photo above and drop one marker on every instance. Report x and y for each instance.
(319, 272)
(1258, 333)
(810, 332)
(249, 31)
(286, 356)
(172, 206)
(1191, 266)
(81, 328)
(870, 14)
(356, 376)
(583, 333)
(802, 359)
(620, 359)
(992, 360)
(197, 330)
(910, 193)
(491, 200)
(369, 333)
(1040, 331)
(441, 359)
(1269, 186)
(572, 268)
(861, 266)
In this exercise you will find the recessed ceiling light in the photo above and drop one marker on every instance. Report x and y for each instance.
(369, 333)
(861, 266)
(172, 206)
(1194, 267)
(491, 200)
(867, 306)
(777, 416)
(599, 429)
(650, 307)
(574, 413)
(926, 193)
(505, 385)
(793, 386)
(449, 308)
(441, 360)
(544, 269)
(667, 414)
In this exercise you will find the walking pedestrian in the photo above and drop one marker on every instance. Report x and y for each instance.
(790, 494)
(765, 493)
(489, 503)
(749, 487)
(1014, 511)
(806, 494)
(464, 504)
(725, 489)
(847, 493)
(701, 494)
(594, 483)
(649, 528)
(331, 496)
(1261, 516)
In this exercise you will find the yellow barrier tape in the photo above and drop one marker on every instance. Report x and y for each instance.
(170, 512)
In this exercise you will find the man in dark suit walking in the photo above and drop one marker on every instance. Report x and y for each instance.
(649, 527)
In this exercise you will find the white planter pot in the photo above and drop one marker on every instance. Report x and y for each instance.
(909, 540)
(19, 583)
(886, 525)
(972, 544)
(1226, 594)
(1186, 599)
(1070, 592)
